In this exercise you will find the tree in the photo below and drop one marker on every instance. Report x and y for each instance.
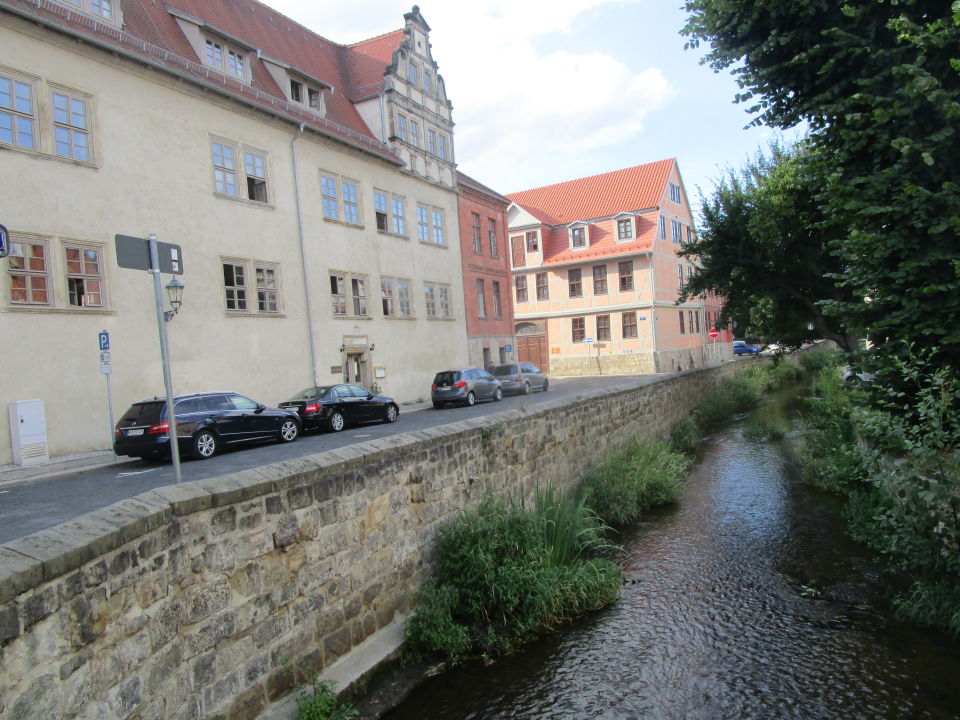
(879, 83)
(763, 245)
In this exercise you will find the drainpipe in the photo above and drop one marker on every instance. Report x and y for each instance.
(303, 258)
(653, 313)
(383, 118)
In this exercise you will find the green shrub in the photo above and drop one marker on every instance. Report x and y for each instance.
(504, 574)
(685, 436)
(761, 430)
(321, 703)
(734, 395)
(813, 361)
(644, 475)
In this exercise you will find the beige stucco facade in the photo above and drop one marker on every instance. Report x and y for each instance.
(150, 171)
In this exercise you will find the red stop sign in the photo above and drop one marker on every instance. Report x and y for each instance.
(714, 333)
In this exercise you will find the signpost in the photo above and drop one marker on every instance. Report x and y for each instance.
(156, 257)
(4, 242)
(103, 341)
(714, 333)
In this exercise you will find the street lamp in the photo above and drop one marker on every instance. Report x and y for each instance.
(174, 297)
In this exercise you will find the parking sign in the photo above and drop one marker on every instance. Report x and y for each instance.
(4, 242)
(104, 340)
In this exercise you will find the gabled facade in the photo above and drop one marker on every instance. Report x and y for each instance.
(318, 245)
(597, 277)
(488, 301)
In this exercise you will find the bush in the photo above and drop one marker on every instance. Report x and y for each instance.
(734, 395)
(685, 436)
(505, 573)
(813, 361)
(644, 475)
(761, 430)
(321, 703)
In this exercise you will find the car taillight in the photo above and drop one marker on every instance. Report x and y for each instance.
(462, 383)
(312, 408)
(117, 433)
(160, 428)
(433, 387)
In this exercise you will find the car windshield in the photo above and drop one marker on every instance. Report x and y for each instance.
(311, 393)
(501, 370)
(143, 413)
(446, 378)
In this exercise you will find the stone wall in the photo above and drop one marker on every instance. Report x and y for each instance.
(214, 598)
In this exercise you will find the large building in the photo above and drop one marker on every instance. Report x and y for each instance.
(487, 302)
(597, 277)
(310, 186)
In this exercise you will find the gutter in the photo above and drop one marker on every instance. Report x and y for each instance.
(303, 257)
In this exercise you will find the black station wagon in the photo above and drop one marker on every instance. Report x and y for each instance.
(333, 407)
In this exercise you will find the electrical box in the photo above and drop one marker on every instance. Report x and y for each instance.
(28, 433)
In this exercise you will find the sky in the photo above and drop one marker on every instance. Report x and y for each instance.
(545, 91)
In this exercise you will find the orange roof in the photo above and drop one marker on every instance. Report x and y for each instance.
(603, 242)
(628, 190)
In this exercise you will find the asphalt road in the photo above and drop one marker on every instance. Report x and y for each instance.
(32, 506)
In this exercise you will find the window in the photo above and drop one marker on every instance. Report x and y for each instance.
(437, 218)
(575, 283)
(427, 82)
(603, 327)
(398, 211)
(214, 54)
(296, 91)
(690, 320)
(226, 176)
(682, 331)
(521, 286)
(414, 134)
(696, 317)
(628, 322)
(690, 235)
(432, 141)
(481, 300)
(402, 127)
(625, 229)
(380, 210)
(329, 184)
(358, 287)
(663, 228)
(395, 222)
(403, 297)
(430, 297)
(437, 298)
(84, 281)
(518, 258)
(235, 286)
(533, 244)
(492, 236)
(338, 294)
(680, 277)
(442, 147)
(578, 237)
(543, 287)
(70, 126)
(475, 228)
(28, 269)
(675, 192)
(676, 231)
(497, 309)
(102, 8)
(578, 328)
(235, 64)
(387, 297)
(626, 275)
(227, 60)
(444, 292)
(423, 224)
(412, 73)
(599, 279)
(17, 113)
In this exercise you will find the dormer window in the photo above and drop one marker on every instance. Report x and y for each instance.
(625, 229)
(578, 237)
(303, 94)
(225, 59)
(106, 10)
(296, 91)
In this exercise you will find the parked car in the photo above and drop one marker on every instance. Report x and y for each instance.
(333, 407)
(520, 377)
(740, 347)
(205, 422)
(464, 385)
(852, 378)
(772, 349)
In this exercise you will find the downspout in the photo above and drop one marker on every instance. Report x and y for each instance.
(653, 312)
(303, 258)
(383, 118)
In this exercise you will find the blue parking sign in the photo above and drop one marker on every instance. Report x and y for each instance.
(104, 340)
(4, 242)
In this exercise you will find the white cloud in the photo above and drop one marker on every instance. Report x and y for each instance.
(522, 114)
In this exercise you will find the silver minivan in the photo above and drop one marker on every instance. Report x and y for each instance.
(520, 377)
(464, 386)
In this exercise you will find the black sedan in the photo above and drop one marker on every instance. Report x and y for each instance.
(333, 407)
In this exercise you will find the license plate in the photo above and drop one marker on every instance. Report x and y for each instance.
(134, 433)
(443, 389)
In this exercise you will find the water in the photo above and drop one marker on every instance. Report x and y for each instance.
(743, 601)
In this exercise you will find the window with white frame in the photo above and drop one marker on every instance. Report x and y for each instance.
(380, 210)
(423, 223)
(543, 286)
(676, 231)
(492, 236)
(402, 127)
(578, 329)
(431, 141)
(625, 229)
(71, 126)
(358, 290)
(437, 298)
(533, 242)
(578, 237)
(84, 276)
(414, 133)
(328, 190)
(521, 287)
(348, 293)
(101, 9)
(427, 82)
(690, 235)
(625, 270)
(436, 219)
(663, 228)
(226, 59)
(680, 277)
(388, 296)
(599, 279)
(443, 296)
(237, 290)
(481, 300)
(574, 283)
(430, 298)
(404, 297)
(675, 192)
(18, 112)
(412, 73)
(475, 230)
(338, 293)
(28, 271)
(229, 176)
(442, 146)
(390, 211)
(304, 94)
(340, 198)
(398, 211)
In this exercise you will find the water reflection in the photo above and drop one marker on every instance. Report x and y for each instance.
(744, 601)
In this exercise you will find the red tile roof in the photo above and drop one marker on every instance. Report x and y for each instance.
(628, 190)
(151, 32)
(603, 242)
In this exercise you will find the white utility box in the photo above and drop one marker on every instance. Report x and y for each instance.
(28, 433)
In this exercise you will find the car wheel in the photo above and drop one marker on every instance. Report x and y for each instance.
(392, 413)
(336, 422)
(526, 388)
(546, 384)
(498, 394)
(205, 444)
(852, 381)
(438, 405)
(289, 431)
(471, 399)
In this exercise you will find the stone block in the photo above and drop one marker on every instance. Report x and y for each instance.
(210, 634)
(223, 490)
(248, 705)
(9, 623)
(223, 521)
(286, 532)
(184, 499)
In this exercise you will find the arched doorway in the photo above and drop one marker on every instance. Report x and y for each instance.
(532, 345)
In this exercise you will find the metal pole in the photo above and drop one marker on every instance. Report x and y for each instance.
(110, 406)
(162, 327)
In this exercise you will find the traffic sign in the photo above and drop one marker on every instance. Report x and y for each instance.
(134, 253)
(104, 338)
(714, 333)
(588, 340)
(4, 242)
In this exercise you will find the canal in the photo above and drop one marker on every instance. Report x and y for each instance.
(745, 600)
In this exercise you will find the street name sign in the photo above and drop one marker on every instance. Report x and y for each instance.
(134, 253)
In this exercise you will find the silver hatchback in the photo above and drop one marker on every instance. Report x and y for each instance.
(464, 386)
(520, 377)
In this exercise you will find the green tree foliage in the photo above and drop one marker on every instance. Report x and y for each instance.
(879, 83)
(763, 245)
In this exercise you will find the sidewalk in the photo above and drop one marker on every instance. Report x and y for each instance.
(58, 466)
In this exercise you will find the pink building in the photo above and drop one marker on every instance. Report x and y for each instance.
(596, 276)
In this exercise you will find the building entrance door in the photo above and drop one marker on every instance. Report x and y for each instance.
(354, 369)
(532, 345)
